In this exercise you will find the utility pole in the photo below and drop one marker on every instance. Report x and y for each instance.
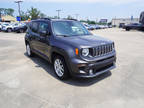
(58, 13)
(18, 2)
(0, 14)
(77, 16)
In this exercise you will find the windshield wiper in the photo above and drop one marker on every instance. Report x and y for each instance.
(63, 35)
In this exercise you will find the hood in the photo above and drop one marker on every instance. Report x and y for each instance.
(85, 41)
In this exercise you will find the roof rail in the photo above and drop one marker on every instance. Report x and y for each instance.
(70, 19)
(44, 19)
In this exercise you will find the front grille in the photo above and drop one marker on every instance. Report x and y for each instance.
(102, 50)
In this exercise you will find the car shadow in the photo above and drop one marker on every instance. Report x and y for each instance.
(40, 62)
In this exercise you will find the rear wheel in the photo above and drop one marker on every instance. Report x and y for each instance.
(60, 68)
(28, 50)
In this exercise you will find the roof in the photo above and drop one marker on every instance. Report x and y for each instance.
(8, 18)
(48, 19)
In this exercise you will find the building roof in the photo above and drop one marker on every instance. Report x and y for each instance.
(8, 18)
(125, 19)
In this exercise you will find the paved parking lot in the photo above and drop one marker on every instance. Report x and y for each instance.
(31, 83)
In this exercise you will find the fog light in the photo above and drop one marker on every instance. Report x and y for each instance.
(91, 71)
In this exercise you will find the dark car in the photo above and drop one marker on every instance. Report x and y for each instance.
(134, 26)
(141, 20)
(70, 47)
(20, 29)
(0, 27)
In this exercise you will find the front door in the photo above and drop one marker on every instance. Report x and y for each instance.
(44, 39)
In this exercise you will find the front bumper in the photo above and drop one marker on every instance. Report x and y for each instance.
(80, 68)
(3, 29)
(15, 30)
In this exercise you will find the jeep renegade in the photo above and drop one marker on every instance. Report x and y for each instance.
(70, 47)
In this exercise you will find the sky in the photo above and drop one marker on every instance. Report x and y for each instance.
(87, 9)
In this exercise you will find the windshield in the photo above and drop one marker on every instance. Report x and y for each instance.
(69, 28)
(6, 24)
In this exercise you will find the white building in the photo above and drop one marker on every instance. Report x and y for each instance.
(124, 21)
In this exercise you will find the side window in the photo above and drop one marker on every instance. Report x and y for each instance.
(43, 26)
(34, 27)
(29, 25)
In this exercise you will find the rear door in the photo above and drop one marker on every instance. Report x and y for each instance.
(35, 36)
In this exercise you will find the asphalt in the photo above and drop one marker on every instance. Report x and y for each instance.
(31, 83)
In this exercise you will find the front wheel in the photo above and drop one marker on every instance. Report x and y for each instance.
(60, 68)
(9, 30)
(127, 29)
(21, 31)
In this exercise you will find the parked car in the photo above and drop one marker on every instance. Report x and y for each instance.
(97, 27)
(8, 27)
(106, 26)
(0, 27)
(134, 26)
(20, 29)
(102, 26)
(121, 25)
(70, 47)
(141, 19)
(89, 27)
(109, 26)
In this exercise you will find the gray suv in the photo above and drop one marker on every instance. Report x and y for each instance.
(70, 47)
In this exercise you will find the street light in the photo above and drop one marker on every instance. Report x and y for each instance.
(59, 13)
(18, 2)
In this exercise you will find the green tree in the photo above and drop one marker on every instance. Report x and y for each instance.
(9, 11)
(42, 15)
(34, 13)
(1, 10)
(24, 16)
(91, 22)
(55, 17)
(69, 17)
(6, 11)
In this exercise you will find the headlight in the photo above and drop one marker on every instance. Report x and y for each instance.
(85, 52)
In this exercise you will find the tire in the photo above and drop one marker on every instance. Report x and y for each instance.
(9, 30)
(127, 29)
(60, 68)
(28, 50)
(21, 31)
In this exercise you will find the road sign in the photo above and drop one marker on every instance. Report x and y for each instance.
(18, 18)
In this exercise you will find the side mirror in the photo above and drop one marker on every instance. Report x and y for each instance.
(45, 33)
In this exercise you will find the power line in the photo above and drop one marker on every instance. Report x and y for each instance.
(58, 13)
(18, 2)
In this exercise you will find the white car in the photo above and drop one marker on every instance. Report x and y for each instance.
(8, 27)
